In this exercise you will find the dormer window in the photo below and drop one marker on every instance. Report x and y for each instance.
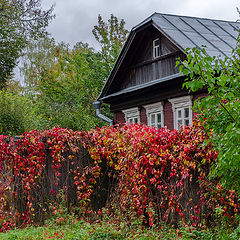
(156, 48)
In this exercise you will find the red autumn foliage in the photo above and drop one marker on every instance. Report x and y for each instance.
(152, 174)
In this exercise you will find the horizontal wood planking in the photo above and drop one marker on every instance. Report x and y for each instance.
(152, 70)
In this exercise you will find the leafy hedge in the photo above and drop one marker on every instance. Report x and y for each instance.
(133, 171)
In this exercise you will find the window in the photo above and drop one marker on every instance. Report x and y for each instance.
(182, 111)
(132, 115)
(155, 114)
(156, 48)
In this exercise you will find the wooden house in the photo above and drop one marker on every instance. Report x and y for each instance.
(145, 86)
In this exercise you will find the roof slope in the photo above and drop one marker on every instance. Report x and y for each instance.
(218, 36)
(187, 32)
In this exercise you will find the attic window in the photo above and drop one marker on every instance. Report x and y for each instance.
(156, 48)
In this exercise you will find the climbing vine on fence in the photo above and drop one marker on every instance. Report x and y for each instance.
(154, 175)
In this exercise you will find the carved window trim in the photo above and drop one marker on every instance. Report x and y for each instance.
(154, 114)
(132, 115)
(179, 108)
(156, 48)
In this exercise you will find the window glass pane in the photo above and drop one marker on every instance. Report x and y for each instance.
(186, 122)
(158, 51)
(130, 120)
(135, 120)
(179, 122)
(152, 119)
(186, 112)
(159, 125)
(179, 113)
(159, 119)
(156, 48)
(156, 42)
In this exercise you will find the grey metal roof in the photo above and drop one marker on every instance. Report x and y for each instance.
(218, 36)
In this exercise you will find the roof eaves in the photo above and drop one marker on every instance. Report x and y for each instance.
(142, 86)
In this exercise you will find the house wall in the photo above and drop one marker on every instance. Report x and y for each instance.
(119, 116)
(144, 68)
(143, 116)
(168, 115)
(139, 65)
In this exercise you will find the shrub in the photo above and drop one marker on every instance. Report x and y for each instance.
(134, 171)
(17, 114)
(158, 171)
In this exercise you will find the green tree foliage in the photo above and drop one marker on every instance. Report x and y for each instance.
(65, 91)
(20, 20)
(39, 56)
(111, 36)
(220, 109)
(64, 83)
(17, 114)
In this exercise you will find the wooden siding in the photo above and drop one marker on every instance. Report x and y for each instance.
(152, 70)
(142, 67)
(139, 66)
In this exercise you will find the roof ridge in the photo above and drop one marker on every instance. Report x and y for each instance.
(203, 18)
(144, 21)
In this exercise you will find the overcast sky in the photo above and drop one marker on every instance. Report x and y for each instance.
(75, 18)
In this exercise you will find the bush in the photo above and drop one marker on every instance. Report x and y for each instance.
(219, 110)
(17, 114)
(136, 172)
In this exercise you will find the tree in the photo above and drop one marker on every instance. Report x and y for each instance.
(18, 114)
(20, 20)
(39, 55)
(63, 82)
(66, 90)
(111, 36)
(219, 111)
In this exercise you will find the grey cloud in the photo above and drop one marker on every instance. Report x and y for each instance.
(75, 18)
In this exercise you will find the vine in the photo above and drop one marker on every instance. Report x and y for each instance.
(155, 175)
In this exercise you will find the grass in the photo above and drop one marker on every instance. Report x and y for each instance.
(66, 227)
(78, 230)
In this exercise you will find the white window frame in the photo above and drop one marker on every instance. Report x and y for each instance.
(131, 114)
(156, 48)
(155, 109)
(179, 104)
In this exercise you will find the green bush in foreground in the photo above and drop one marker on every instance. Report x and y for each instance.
(219, 110)
(18, 114)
